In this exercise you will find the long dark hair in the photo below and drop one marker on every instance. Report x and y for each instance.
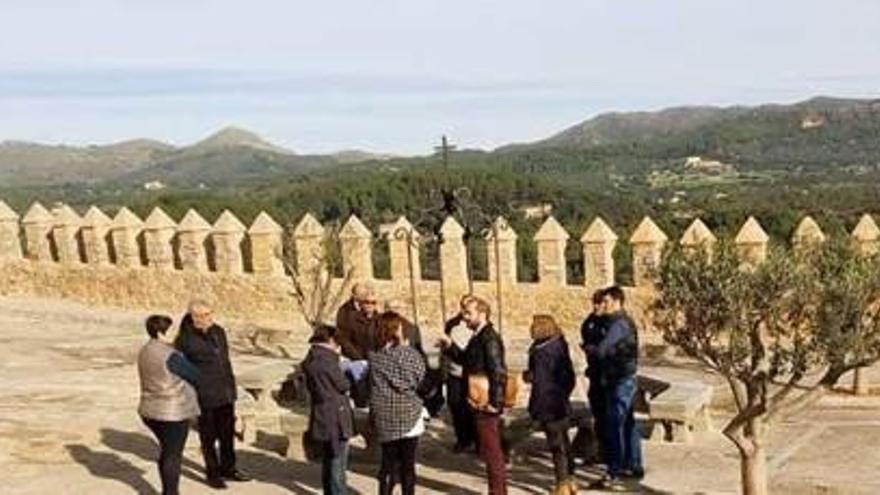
(388, 324)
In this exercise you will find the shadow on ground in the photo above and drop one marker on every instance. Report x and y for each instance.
(531, 473)
(110, 466)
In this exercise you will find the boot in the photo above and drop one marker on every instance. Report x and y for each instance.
(563, 488)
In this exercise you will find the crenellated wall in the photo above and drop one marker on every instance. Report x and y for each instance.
(157, 264)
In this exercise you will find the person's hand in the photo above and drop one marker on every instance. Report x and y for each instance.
(443, 342)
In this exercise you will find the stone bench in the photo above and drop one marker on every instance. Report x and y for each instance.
(258, 404)
(681, 409)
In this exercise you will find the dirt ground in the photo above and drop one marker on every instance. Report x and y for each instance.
(68, 425)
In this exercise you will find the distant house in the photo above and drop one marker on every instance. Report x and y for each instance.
(154, 185)
(812, 122)
(698, 164)
(536, 211)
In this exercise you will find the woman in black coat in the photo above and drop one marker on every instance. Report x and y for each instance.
(551, 374)
(330, 420)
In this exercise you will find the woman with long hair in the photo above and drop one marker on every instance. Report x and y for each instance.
(551, 374)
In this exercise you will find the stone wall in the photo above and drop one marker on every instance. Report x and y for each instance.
(158, 264)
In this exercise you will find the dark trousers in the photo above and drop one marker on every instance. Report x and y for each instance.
(398, 463)
(462, 415)
(560, 447)
(217, 425)
(333, 468)
(623, 437)
(172, 438)
(596, 397)
(489, 435)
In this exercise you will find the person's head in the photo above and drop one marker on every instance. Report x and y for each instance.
(462, 303)
(364, 295)
(613, 300)
(323, 334)
(599, 301)
(476, 313)
(544, 327)
(157, 327)
(202, 314)
(390, 328)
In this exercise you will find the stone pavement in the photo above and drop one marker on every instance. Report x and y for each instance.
(68, 396)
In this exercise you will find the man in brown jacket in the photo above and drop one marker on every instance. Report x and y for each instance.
(356, 323)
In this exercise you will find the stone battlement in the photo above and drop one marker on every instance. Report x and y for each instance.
(158, 264)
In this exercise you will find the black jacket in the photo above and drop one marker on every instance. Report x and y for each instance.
(209, 352)
(414, 335)
(593, 330)
(551, 374)
(484, 354)
(331, 416)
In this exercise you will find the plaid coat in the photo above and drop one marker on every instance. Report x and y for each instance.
(395, 406)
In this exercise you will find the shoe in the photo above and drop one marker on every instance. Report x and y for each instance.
(461, 448)
(572, 485)
(614, 485)
(216, 483)
(633, 474)
(563, 488)
(236, 475)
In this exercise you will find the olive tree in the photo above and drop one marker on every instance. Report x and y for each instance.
(781, 332)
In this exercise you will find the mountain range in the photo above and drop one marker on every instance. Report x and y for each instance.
(816, 132)
(229, 154)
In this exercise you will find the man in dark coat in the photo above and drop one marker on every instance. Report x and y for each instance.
(456, 391)
(356, 323)
(593, 330)
(484, 355)
(204, 343)
(618, 352)
(330, 421)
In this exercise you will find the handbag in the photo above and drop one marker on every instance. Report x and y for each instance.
(478, 390)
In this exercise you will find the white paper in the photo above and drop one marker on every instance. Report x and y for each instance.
(460, 336)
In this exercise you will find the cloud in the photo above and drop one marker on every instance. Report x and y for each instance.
(128, 83)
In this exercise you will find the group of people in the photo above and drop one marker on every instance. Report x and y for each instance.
(379, 354)
(374, 359)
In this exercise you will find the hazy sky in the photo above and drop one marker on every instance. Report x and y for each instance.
(386, 75)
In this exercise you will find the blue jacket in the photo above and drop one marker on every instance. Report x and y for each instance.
(619, 350)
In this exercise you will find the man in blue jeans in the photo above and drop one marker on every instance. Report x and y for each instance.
(619, 354)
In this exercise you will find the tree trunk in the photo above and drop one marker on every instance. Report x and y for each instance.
(753, 472)
(753, 463)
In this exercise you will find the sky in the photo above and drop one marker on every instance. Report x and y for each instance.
(395, 75)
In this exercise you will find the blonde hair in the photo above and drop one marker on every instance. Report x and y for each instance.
(543, 327)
